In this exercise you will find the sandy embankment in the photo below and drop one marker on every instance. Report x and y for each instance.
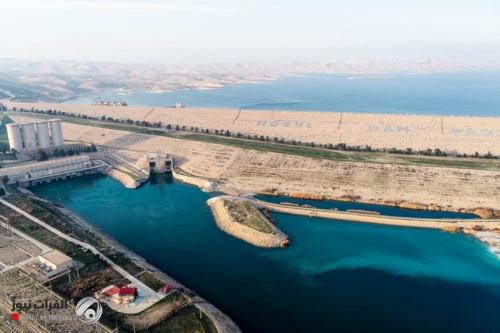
(252, 171)
(124, 178)
(227, 224)
(203, 184)
(486, 231)
(465, 134)
(444, 224)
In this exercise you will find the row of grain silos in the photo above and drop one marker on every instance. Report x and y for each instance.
(30, 136)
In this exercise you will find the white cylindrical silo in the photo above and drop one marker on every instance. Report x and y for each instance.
(29, 136)
(56, 132)
(42, 131)
(15, 137)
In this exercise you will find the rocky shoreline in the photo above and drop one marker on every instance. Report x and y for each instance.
(224, 220)
(488, 236)
(482, 212)
(491, 239)
(221, 321)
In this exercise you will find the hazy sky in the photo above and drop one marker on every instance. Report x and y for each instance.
(179, 31)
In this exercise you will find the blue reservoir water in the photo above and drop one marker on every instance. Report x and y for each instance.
(335, 276)
(384, 210)
(469, 93)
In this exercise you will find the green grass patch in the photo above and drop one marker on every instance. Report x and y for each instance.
(48, 213)
(171, 314)
(243, 212)
(453, 162)
(188, 319)
(123, 261)
(150, 280)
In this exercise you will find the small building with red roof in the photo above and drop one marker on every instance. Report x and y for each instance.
(126, 295)
(123, 295)
(112, 291)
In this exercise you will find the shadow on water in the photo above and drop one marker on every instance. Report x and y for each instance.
(161, 179)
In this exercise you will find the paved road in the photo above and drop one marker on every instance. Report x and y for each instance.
(147, 295)
(373, 218)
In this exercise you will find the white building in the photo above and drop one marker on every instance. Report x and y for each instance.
(42, 131)
(55, 262)
(37, 172)
(29, 136)
(32, 136)
(56, 132)
(15, 136)
(160, 163)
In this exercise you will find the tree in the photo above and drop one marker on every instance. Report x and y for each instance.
(5, 179)
(488, 155)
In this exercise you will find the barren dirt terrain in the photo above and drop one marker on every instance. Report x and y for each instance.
(448, 133)
(255, 171)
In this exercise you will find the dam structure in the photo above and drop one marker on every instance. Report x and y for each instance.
(159, 163)
(449, 133)
(34, 173)
(445, 224)
(37, 135)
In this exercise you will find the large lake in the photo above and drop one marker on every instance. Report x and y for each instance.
(469, 93)
(335, 276)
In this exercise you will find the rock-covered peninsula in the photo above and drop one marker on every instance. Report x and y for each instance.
(242, 220)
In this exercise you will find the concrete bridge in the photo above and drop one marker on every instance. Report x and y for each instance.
(374, 218)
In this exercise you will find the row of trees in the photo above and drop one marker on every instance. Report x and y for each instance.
(254, 137)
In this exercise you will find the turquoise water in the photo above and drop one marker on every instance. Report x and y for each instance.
(384, 210)
(335, 276)
(470, 93)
